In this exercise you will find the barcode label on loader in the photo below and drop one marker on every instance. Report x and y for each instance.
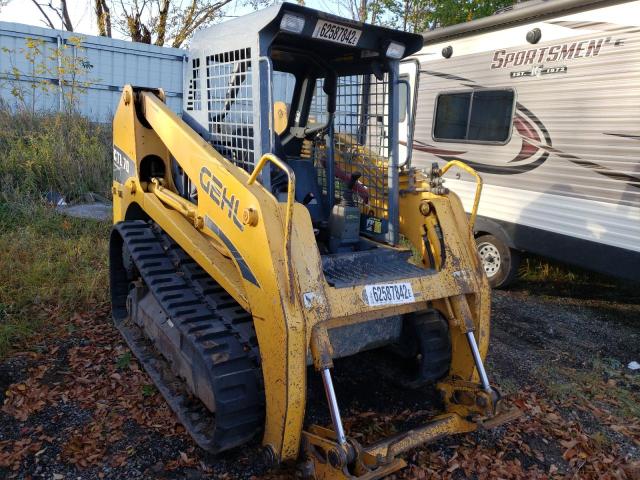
(388, 294)
(336, 33)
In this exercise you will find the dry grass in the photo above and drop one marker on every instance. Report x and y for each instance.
(61, 152)
(606, 381)
(538, 269)
(52, 267)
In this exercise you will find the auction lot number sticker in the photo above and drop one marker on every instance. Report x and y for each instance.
(336, 33)
(388, 294)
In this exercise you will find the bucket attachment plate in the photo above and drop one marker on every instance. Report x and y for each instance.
(325, 459)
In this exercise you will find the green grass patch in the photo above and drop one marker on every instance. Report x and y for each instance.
(546, 277)
(52, 267)
(124, 361)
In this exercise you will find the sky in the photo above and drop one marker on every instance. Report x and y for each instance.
(83, 17)
(24, 11)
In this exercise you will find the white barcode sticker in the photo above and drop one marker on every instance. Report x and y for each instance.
(336, 33)
(388, 294)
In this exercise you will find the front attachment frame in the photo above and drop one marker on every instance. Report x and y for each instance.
(468, 405)
(325, 458)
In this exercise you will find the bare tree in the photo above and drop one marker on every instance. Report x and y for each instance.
(132, 20)
(163, 22)
(369, 11)
(358, 9)
(61, 11)
(103, 17)
(198, 14)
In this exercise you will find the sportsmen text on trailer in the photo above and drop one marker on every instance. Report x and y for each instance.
(554, 53)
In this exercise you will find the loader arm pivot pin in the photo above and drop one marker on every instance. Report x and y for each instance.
(478, 361)
(333, 406)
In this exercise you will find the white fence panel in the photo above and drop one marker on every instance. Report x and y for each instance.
(29, 73)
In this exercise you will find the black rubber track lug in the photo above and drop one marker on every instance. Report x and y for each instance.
(203, 327)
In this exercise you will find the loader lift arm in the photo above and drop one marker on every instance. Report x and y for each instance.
(218, 234)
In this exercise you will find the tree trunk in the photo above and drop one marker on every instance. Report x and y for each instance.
(362, 11)
(406, 15)
(163, 15)
(138, 31)
(44, 14)
(103, 17)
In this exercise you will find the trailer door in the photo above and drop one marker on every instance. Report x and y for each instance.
(408, 89)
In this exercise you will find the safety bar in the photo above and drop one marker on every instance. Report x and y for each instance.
(471, 171)
(291, 195)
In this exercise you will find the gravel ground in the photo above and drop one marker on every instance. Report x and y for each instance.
(78, 406)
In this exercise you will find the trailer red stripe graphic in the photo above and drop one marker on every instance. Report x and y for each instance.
(535, 138)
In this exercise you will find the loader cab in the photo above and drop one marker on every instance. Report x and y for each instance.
(322, 94)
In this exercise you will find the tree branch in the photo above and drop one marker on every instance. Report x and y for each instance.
(195, 20)
(162, 22)
(61, 12)
(66, 20)
(44, 14)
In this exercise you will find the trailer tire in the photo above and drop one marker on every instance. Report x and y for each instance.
(499, 261)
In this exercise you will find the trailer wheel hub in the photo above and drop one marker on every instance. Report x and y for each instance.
(490, 257)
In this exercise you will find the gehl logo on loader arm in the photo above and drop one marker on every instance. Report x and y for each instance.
(217, 191)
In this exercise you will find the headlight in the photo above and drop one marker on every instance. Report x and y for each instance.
(395, 50)
(292, 23)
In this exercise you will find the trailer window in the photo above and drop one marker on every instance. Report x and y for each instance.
(477, 116)
(452, 116)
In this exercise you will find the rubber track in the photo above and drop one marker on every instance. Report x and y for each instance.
(210, 324)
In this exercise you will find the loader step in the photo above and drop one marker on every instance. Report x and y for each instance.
(196, 343)
(377, 265)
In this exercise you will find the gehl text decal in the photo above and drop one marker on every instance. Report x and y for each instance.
(218, 192)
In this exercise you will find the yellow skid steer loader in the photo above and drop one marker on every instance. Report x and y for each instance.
(273, 226)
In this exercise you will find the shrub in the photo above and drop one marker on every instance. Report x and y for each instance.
(61, 152)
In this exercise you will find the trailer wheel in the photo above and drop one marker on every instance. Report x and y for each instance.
(499, 261)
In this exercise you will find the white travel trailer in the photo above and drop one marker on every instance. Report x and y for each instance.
(544, 101)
